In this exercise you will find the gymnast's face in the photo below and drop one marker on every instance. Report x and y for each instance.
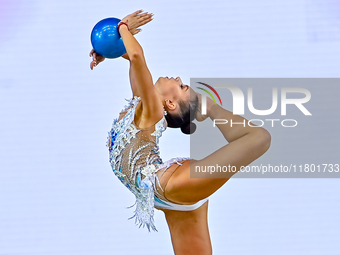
(173, 90)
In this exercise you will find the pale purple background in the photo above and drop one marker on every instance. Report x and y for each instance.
(58, 194)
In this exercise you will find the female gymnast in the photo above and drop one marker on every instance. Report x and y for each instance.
(134, 152)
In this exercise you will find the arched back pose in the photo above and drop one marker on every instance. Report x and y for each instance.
(134, 153)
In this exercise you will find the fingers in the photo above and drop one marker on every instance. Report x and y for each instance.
(96, 59)
(137, 12)
(92, 64)
(145, 21)
(138, 20)
(136, 31)
(145, 14)
(91, 53)
(139, 15)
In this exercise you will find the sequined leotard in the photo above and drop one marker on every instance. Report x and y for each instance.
(134, 158)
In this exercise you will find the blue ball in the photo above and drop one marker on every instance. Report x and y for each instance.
(106, 40)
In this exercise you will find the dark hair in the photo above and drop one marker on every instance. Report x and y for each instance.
(184, 119)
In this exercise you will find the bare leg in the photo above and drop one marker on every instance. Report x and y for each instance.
(189, 231)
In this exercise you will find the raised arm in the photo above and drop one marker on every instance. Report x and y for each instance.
(140, 76)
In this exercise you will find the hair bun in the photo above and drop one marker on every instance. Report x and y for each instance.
(189, 128)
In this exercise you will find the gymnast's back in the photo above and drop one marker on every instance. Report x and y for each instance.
(134, 158)
(132, 148)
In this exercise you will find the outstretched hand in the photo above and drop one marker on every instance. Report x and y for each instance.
(134, 21)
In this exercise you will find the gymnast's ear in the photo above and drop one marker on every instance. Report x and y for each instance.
(170, 104)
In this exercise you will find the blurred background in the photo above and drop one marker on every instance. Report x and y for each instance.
(58, 194)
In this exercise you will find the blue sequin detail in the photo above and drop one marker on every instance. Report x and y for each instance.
(137, 157)
(138, 180)
(160, 201)
(113, 136)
